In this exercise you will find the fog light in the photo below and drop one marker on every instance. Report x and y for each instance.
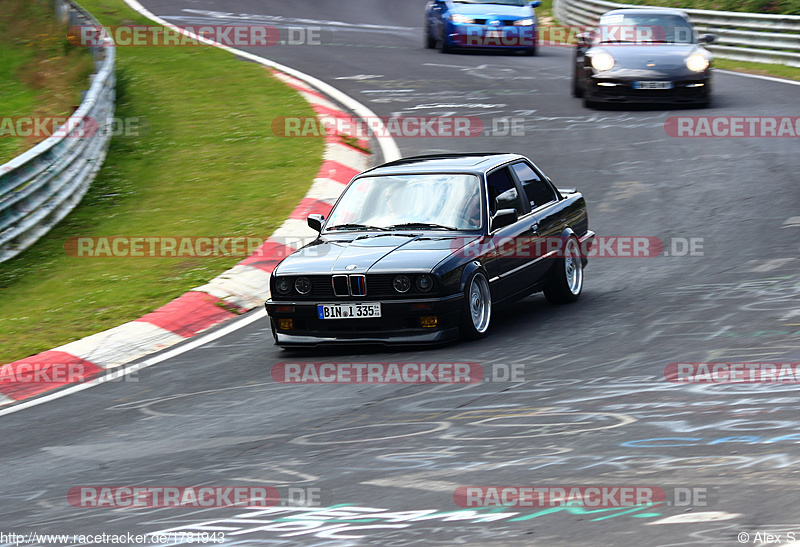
(428, 321)
(284, 308)
(285, 324)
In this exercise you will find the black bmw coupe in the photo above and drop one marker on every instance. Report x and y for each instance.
(423, 249)
(643, 55)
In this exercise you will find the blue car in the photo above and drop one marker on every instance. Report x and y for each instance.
(481, 24)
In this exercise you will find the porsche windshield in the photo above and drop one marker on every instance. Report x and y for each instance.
(435, 201)
(638, 28)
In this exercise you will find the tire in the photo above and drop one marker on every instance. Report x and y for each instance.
(566, 278)
(430, 41)
(532, 52)
(577, 90)
(476, 314)
(443, 47)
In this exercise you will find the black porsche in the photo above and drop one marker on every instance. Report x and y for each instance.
(422, 249)
(643, 55)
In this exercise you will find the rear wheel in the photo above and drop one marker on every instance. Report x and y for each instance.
(566, 279)
(477, 312)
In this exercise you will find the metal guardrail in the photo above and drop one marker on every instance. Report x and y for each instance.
(41, 186)
(761, 38)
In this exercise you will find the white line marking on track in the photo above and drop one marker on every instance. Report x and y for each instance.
(200, 340)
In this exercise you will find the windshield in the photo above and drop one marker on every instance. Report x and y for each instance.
(642, 28)
(503, 2)
(440, 201)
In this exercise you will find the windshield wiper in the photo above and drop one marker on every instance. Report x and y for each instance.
(421, 225)
(355, 227)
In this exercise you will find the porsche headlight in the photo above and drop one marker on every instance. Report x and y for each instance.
(523, 22)
(696, 62)
(462, 19)
(602, 61)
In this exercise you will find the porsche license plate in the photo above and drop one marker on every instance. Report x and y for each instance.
(494, 33)
(348, 311)
(652, 85)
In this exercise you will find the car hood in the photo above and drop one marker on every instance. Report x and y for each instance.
(488, 10)
(372, 253)
(663, 56)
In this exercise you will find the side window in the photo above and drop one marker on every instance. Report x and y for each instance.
(502, 191)
(537, 190)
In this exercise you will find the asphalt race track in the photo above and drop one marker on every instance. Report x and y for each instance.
(592, 406)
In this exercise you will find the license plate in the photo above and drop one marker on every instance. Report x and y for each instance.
(652, 85)
(494, 33)
(348, 311)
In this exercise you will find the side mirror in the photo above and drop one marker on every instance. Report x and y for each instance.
(535, 4)
(315, 222)
(707, 38)
(503, 217)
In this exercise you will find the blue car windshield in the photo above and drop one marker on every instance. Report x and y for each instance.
(639, 28)
(436, 201)
(502, 2)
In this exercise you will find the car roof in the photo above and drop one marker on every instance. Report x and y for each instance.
(649, 11)
(472, 162)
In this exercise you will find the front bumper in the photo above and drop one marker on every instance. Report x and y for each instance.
(399, 323)
(492, 37)
(617, 88)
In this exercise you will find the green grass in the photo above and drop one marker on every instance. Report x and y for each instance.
(764, 69)
(207, 165)
(41, 74)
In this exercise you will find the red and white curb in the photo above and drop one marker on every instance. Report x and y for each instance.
(242, 288)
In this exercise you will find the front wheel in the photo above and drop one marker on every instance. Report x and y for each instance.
(443, 46)
(577, 90)
(566, 279)
(430, 41)
(477, 311)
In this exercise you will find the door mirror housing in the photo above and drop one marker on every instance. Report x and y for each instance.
(315, 222)
(502, 218)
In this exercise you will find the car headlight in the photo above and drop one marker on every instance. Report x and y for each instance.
(696, 62)
(602, 61)
(283, 286)
(302, 285)
(523, 22)
(423, 283)
(401, 283)
(462, 19)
